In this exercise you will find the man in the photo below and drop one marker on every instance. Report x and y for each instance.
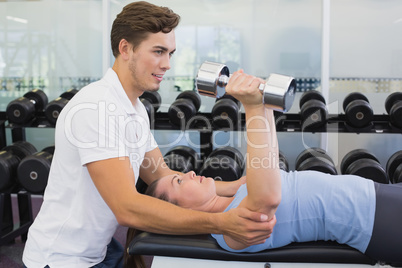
(102, 139)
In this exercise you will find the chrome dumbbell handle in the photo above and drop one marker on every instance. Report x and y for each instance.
(278, 90)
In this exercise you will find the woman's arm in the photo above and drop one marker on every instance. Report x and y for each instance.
(262, 168)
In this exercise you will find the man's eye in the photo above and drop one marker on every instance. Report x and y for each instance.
(159, 52)
(179, 181)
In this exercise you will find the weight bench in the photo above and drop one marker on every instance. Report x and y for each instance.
(186, 251)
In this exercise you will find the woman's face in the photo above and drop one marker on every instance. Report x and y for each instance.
(188, 190)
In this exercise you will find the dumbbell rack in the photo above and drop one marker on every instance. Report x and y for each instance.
(8, 230)
(287, 122)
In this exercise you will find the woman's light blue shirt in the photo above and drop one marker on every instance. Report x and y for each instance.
(317, 206)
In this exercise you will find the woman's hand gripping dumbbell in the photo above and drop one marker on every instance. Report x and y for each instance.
(278, 90)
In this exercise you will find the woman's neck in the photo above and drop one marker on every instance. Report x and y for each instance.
(218, 204)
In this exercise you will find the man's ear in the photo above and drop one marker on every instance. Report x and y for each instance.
(124, 49)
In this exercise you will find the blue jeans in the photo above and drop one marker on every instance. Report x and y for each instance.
(113, 258)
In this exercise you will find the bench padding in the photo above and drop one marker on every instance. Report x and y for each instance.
(205, 247)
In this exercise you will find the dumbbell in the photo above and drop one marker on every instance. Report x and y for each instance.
(313, 110)
(226, 112)
(224, 163)
(278, 91)
(394, 167)
(185, 106)
(365, 164)
(23, 109)
(283, 162)
(53, 109)
(182, 158)
(315, 159)
(10, 157)
(33, 170)
(358, 110)
(152, 101)
(393, 105)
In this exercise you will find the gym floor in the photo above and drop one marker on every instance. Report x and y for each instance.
(11, 254)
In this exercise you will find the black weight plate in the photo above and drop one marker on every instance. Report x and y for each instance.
(223, 167)
(21, 149)
(225, 113)
(393, 162)
(178, 163)
(20, 111)
(314, 114)
(283, 162)
(39, 97)
(181, 111)
(369, 169)
(359, 113)
(230, 152)
(312, 153)
(391, 100)
(188, 153)
(191, 95)
(311, 95)
(352, 97)
(69, 94)
(148, 107)
(320, 164)
(153, 97)
(53, 109)
(33, 172)
(396, 115)
(354, 155)
(230, 97)
(8, 169)
(397, 177)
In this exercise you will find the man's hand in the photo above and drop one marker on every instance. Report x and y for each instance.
(247, 227)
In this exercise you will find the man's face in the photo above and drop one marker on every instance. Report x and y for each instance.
(150, 60)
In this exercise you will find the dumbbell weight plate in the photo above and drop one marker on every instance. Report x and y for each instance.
(321, 164)
(69, 94)
(21, 149)
(359, 113)
(232, 153)
(33, 172)
(8, 168)
(181, 111)
(311, 95)
(178, 163)
(20, 111)
(39, 97)
(193, 96)
(392, 164)
(189, 154)
(397, 177)
(207, 79)
(391, 100)
(396, 115)
(153, 97)
(283, 162)
(352, 97)
(53, 109)
(49, 149)
(369, 169)
(311, 153)
(222, 167)
(225, 113)
(354, 155)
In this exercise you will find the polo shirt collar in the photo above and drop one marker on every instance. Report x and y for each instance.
(112, 78)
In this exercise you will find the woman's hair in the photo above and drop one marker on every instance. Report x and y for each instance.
(137, 261)
(137, 20)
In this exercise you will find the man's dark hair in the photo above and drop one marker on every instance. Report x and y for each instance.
(137, 20)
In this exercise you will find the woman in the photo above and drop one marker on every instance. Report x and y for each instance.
(308, 205)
